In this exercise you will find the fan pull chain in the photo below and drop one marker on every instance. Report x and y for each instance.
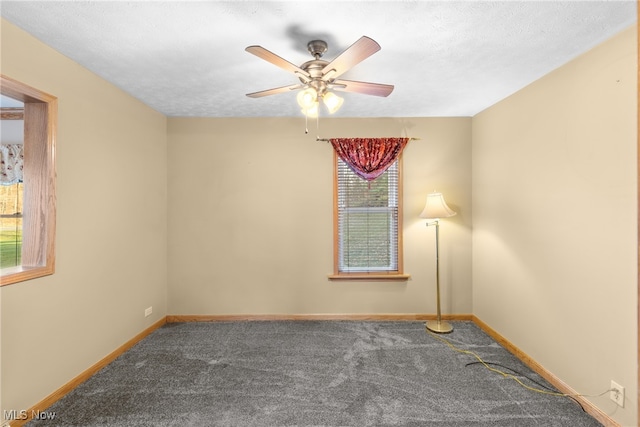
(306, 126)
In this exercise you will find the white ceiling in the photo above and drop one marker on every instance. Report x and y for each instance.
(445, 58)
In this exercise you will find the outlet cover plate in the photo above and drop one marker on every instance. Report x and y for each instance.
(617, 393)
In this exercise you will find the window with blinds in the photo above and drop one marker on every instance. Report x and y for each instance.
(367, 215)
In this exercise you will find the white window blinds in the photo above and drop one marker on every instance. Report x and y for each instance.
(367, 215)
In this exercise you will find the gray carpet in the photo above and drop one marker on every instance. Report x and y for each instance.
(312, 373)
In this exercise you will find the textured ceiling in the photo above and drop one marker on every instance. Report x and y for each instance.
(445, 58)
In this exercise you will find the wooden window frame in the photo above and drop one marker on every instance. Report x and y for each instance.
(39, 220)
(398, 275)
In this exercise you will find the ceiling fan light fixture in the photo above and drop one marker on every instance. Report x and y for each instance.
(307, 98)
(311, 111)
(332, 101)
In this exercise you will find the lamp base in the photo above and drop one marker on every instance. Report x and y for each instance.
(439, 326)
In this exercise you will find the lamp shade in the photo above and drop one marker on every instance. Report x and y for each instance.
(311, 111)
(332, 101)
(436, 207)
(307, 98)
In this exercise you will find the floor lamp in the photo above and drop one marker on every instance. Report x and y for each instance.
(434, 209)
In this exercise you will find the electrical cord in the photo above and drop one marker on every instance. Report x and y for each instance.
(515, 372)
(541, 390)
(529, 378)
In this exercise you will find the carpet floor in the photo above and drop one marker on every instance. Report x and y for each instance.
(313, 373)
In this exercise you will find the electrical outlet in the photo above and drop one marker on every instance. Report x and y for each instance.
(617, 393)
(148, 312)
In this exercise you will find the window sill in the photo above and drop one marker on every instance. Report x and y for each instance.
(377, 277)
(18, 274)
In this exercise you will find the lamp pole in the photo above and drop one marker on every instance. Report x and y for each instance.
(439, 326)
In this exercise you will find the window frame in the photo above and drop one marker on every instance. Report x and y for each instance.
(39, 216)
(389, 275)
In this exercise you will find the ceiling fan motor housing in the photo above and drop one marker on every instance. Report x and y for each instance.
(317, 48)
(314, 67)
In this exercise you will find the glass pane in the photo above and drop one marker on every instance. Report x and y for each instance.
(10, 225)
(367, 221)
(368, 237)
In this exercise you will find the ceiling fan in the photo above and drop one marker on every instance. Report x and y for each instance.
(318, 76)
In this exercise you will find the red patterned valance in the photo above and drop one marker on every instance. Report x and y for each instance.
(368, 157)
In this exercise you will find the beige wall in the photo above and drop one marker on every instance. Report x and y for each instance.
(111, 229)
(251, 217)
(555, 221)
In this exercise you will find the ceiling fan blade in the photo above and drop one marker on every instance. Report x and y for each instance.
(376, 89)
(269, 56)
(274, 91)
(363, 48)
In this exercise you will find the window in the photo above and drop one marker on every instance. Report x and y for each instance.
(37, 207)
(367, 224)
(10, 224)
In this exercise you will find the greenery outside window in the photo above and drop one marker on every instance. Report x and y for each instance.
(10, 224)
